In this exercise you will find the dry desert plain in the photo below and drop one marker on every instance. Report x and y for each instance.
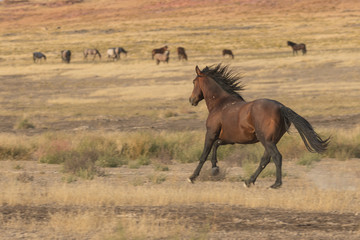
(102, 149)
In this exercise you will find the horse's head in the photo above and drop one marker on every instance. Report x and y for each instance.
(197, 94)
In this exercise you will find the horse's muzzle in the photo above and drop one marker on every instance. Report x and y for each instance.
(193, 101)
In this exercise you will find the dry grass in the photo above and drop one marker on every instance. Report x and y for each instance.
(98, 194)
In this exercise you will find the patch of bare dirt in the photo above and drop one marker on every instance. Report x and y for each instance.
(227, 221)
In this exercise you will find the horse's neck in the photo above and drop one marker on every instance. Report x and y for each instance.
(214, 95)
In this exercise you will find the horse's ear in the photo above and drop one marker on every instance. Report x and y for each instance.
(197, 70)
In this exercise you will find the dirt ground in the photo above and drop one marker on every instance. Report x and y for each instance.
(219, 221)
(226, 222)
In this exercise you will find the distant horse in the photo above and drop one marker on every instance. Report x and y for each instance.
(66, 56)
(37, 56)
(181, 53)
(158, 50)
(92, 52)
(296, 47)
(114, 53)
(162, 57)
(228, 52)
(232, 120)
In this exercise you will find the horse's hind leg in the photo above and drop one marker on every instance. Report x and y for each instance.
(277, 158)
(265, 159)
(215, 169)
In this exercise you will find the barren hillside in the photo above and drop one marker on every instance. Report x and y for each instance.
(18, 14)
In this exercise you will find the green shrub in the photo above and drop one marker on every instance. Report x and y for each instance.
(82, 165)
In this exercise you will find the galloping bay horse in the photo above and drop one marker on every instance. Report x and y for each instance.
(233, 120)
(37, 56)
(296, 47)
(92, 52)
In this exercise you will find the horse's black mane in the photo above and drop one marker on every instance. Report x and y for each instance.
(291, 43)
(226, 78)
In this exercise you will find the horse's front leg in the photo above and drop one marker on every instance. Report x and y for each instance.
(209, 142)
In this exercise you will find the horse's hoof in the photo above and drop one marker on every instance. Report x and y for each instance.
(247, 183)
(276, 185)
(190, 180)
(215, 171)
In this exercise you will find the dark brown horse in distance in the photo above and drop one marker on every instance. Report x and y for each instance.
(37, 56)
(162, 57)
(233, 120)
(92, 52)
(158, 50)
(296, 47)
(66, 56)
(181, 53)
(228, 52)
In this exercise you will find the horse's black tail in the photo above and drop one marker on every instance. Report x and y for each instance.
(311, 139)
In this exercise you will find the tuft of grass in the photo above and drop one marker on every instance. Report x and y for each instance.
(82, 165)
(344, 145)
(161, 167)
(307, 159)
(18, 167)
(157, 178)
(24, 124)
(24, 177)
(15, 152)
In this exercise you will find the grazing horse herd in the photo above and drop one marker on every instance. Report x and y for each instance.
(158, 54)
